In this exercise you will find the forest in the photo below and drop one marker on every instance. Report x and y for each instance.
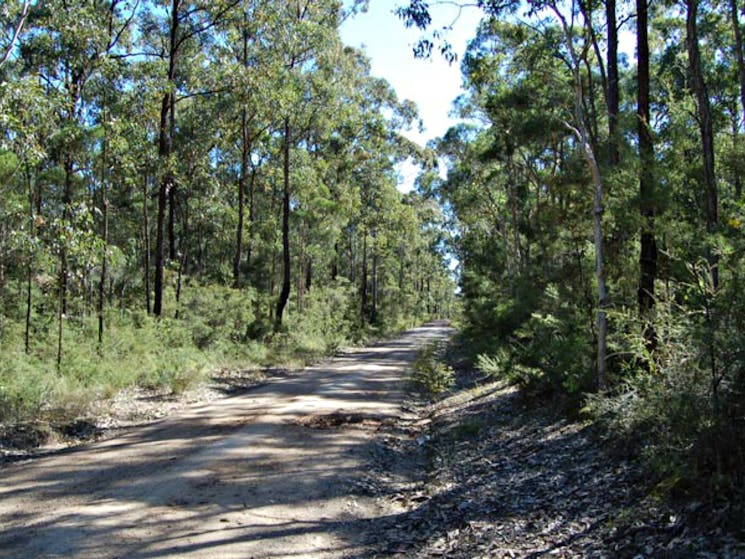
(189, 185)
(194, 185)
(596, 200)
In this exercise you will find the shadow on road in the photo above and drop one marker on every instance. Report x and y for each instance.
(246, 476)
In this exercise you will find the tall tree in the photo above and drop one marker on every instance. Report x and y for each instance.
(647, 198)
(185, 21)
(613, 95)
(706, 131)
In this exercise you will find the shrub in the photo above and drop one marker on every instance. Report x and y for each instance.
(216, 314)
(429, 374)
(681, 408)
(325, 324)
(547, 353)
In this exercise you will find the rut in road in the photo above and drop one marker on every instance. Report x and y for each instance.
(269, 473)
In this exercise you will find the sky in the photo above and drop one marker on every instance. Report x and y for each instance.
(432, 84)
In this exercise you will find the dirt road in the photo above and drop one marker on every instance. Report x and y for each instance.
(270, 473)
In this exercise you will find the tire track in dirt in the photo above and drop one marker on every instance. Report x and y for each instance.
(272, 472)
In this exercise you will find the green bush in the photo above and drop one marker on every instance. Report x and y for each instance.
(429, 374)
(546, 353)
(215, 314)
(325, 324)
(681, 408)
(136, 349)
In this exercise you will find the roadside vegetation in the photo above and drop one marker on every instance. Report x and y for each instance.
(597, 193)
(192, 186)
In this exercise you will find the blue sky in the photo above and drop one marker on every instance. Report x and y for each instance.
(431, 84)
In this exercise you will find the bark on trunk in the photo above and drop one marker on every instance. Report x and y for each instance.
(374, 308)
(734, 14)
(286, 260)
(613, 96)
(706, 130)
(241, 203)
(244, 171)
(164, 152)
(648, 253)
(251, 215)
(30, 268)
(146, 239)
(363, 280)
(63, 274)
(104, 256)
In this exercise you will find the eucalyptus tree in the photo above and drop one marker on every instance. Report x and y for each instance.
(12, 20)
(67, 47)
(739, 52)
(177, 25)
(706, 130)
(647, 182)
(369, 145)
(574, 48)
(307, 34)
(249, 57)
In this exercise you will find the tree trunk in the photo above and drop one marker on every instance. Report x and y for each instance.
(734, 14)
(363, 281)
(105, 236)
(374, 307)
(165, 186)
(286, 261)
(583, 135)
(30, 269)
(241, 203)
(243, 171)
(251, 215)
(179, 278)
(648, 253)
(182, 257)
(29, 282)
(737, 179)
(164, 152)
(172, 254)
(602, 320)
(63, 273)
(335, 262)
(706, 129)
(146, 239)
(613, 96)
(172, 200)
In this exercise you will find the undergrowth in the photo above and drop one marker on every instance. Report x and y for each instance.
(677, 406)
(430, 374)
(212, 328)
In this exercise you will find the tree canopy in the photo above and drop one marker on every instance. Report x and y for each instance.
(187, 182)
(597, 199)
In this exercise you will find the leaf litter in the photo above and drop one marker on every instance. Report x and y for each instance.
(487, 474)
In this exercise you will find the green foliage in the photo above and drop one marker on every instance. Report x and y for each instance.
(326, 322)
(81, 179)
(217, 315)
(681, 407)
(138, 350)
(430, 375)
(544, 351)
(521, 196)
(325, 325)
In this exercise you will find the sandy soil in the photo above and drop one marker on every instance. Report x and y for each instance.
(274, 472)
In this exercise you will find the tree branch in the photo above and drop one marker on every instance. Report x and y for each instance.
(16, 32)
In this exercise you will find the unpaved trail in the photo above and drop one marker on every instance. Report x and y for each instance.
(270, 473)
